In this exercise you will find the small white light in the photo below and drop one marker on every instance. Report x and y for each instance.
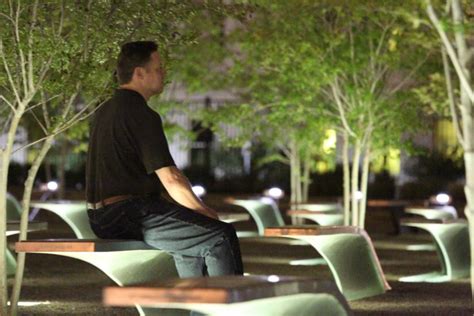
(273, 278)
(443, 198)
(31, 303)
(275, 193)
(199, 190)
(358, 195)
(52, 185)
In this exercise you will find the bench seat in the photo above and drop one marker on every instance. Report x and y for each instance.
(451, 238)
(446, 212)
(124, 261)
(13, 228)
(348, 251)
(235, 295)
(323, 218)
(74, 213)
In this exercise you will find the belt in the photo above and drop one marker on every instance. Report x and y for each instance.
(108, 201)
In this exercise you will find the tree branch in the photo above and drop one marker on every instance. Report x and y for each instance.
(342, 114)
(31, 81)
(410, 75)
(8, 103)
(9, 75)
(452, 103)
(21, 54)
(450, 50)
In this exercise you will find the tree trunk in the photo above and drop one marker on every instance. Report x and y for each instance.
(355, 183)
(346, 180)
(3, 220)
(298, 179)
(62, 168)
(467, 123)
(5, 163)
(363, 183)
(292, 180)
(29, 183)
(306, 178)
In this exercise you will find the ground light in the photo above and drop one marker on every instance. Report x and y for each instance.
(273, 278)
(274, 193)
(48, 189)
(199, 190)
(442, 198)
(31, 303)
(52, 186)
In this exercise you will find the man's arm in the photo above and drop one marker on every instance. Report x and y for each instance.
(179, 188)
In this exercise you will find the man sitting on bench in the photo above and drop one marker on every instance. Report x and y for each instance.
(128, 158)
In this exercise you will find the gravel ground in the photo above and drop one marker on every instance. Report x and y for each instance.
(65, 286)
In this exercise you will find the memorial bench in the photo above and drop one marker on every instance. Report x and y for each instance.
(319, 207)
(126, 262)
(235, 295)
(266, 214)
(348, 251)
(324, 214)
(74, 213)
(13, 228)
(322, 218)
(263, 211)
(13, 208)
(451, 237)
(445, 212)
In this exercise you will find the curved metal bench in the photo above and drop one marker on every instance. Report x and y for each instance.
(319, 207)
(74, 213)
(236, 295)
(13, 208)
(322, 218)
(13, 228)
(451, 238)
(264, 212)
(348, 251)
(445, 212)
(124, 261)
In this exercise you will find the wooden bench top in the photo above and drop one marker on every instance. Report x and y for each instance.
(306, 212)
(388, 203)
(79, 245)
(432, 221)
(215, 290)
(312, 230)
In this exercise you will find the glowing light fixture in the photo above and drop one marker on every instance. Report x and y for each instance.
(358, 195)
(199, 190)
(31, 303)
(52, 186)
(442, 198)
(273, 278)
(275, 193)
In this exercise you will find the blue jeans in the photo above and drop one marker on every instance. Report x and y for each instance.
(200, 245)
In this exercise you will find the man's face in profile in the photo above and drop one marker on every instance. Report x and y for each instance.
(154, 78)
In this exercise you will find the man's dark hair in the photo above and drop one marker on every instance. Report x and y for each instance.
(132, 55)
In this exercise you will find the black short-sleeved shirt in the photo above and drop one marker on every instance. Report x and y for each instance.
(127, 144)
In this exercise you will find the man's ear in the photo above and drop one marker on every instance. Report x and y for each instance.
(139, 72)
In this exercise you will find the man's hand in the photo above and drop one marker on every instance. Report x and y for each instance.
(179, 188)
